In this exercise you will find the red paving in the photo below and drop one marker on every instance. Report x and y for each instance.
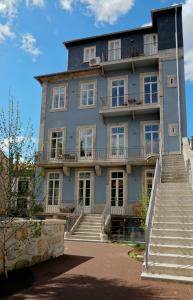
(94, 271)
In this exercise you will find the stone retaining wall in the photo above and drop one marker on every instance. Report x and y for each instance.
(31, 242)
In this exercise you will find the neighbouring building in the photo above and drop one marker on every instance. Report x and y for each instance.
(105, 121)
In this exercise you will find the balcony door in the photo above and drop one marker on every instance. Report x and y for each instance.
(114, 50)
(54, 192)
(56, 144)
(150, 44)
(86, 143)
(118, 142)
(151, 137)
(85, 186)
(117, 193)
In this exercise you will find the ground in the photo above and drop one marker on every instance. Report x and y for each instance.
(94, 271)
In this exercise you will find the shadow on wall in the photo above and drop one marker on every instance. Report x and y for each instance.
(51, 282)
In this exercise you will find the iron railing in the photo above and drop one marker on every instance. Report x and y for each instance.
(148, 49)
(149, 217)
(99, 154)
(129, 100)
(74, 216)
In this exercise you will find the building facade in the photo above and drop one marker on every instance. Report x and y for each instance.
(105, 121)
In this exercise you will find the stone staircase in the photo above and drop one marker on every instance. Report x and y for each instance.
(171, 240)
(89, 229)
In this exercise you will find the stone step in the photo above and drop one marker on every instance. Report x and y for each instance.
(173, 241)
(87, 234)
(179, 219)
(164, 277)
(178, 206)
(174, 225)
(171, 249)
(90, 223)
(184, 233)
(174, 180)
(170, 269)
(81, 239)
(88, 229)
(173, 213)
(171, 259)
(88, 219)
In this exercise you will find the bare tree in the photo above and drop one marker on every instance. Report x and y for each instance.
(17, 176)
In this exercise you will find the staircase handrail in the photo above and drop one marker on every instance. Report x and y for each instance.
(105, 215)
(149, 216)
(74, 216)
(188, 159)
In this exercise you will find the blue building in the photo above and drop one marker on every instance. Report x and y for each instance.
(105, 121)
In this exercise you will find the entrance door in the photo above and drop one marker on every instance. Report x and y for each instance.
(85, 190)
(151, 132)
(117, 192)
(54, 192)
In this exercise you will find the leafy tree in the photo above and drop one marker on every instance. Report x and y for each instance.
(17, 176)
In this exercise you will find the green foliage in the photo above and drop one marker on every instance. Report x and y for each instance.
(142, 207)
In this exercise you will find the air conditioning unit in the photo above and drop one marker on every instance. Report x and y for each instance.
(94, 61)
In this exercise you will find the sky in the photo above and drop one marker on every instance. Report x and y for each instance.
(32, 33)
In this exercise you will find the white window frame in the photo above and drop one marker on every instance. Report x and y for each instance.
(146, 177)
(146, 123)
(80, 128)
(60, 187)
(82, 83)
(114, 209)
(87, 58)
(54, 93)
(112, 51)
(142, 87)
(51, 131)
(109, 145)
(110, 81)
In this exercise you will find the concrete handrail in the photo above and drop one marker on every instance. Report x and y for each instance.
(188, 159)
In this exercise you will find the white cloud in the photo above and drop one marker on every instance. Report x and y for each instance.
(9, 8)
(147, 24)
(39, 3)
(107, 11)
(28, 44)
(188, 40)
(5, 32)
(66, 4)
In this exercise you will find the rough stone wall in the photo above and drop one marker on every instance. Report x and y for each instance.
(31, 242)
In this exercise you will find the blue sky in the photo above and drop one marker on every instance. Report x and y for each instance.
(32, 32)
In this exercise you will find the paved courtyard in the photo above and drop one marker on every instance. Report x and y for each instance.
(94, 271)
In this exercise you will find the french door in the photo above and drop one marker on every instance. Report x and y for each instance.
(151, 132)
(118, 142)
(84, 190)
(150, 44)
(117, 194)
(54, 192)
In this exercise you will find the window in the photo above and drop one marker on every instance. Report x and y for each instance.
(118, 92)
(59, 97)
(150, 89)
(151, 139)
(150, 44)
(56, 144)
(117, 141)
(149, 175)
(86, 142)
(87, 94)
(114, 50)
(53, 188)
(23, 186)
(89, 53)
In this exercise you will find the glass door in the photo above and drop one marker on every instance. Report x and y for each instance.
(117, 192)
(151, 139)
(85, 191)
(118, 142)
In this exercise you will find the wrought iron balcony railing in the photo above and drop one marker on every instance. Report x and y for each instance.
(148, 49)
(130, 100)
(103, 154)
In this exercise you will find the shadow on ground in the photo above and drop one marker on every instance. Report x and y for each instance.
(81, 287)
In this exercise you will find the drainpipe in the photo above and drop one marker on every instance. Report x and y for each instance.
(178, 80)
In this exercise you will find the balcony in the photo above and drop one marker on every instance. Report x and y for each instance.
(130, 104)
(131, 57)
(93, 157)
